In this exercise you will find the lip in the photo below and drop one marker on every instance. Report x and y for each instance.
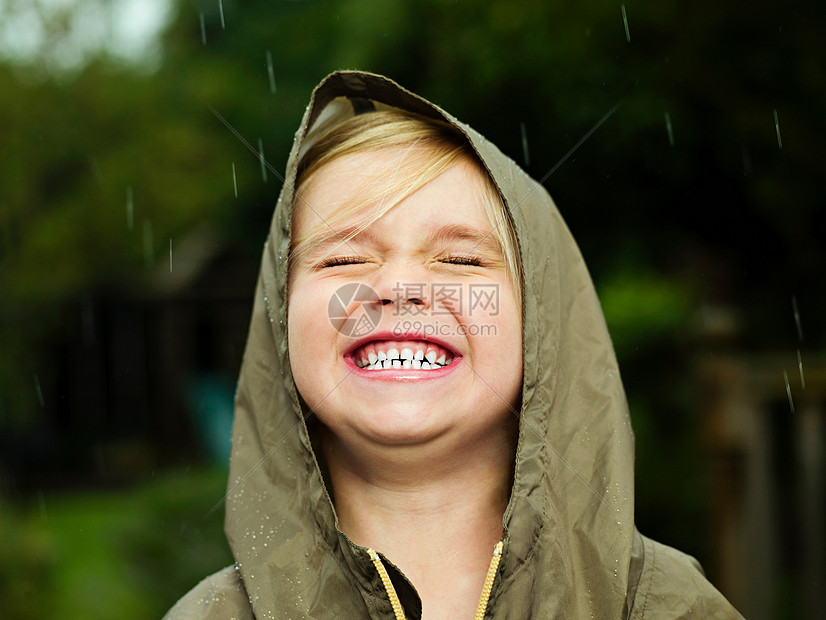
(393, 335)
(404, 375)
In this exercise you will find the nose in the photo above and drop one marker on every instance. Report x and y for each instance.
(405, 288)
(400, 299)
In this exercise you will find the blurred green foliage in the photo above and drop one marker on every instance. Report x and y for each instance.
(128, 553)
(723, 212)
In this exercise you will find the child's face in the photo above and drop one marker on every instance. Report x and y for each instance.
(440, 287)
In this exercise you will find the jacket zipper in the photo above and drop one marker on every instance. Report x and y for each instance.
(398, 610)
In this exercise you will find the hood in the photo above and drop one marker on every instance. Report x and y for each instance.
(569, 524)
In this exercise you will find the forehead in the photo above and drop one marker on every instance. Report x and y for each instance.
(354, 189)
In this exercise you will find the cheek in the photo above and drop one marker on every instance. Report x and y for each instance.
(307, 331)
(307, 302)
(509, 350)
(504, 327)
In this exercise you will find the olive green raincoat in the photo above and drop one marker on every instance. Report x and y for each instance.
(570, 546)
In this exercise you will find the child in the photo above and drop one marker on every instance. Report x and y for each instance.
(430, 421)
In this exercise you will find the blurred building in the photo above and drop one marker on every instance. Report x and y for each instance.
(763, 418)
(142, 378)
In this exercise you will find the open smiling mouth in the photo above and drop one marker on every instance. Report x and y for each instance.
(401, 354)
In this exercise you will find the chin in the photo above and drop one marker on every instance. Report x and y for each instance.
(400, 425)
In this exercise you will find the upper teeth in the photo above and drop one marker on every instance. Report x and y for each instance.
(416, 355)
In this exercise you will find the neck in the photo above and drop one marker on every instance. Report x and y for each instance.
(434, 510)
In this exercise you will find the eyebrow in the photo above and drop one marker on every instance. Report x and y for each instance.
(461, 232)
(344, 236)
(443, 234)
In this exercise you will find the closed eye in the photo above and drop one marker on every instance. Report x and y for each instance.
(336, 261)
(473, 261)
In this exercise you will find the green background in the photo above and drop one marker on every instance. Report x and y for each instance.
(703, 192)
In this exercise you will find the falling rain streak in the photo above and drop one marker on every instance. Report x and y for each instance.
(262, 160)
(94, 164)
(203, 28)
(788, 390)
(625, 23)
(234, 181)
(130, 209)
(800, 368)
(170, 255)
(797, 319)
(148, 243)
(87, 320)
(669, 129)
(525, 144)
(777, 129)
(245, 143)
(221, 13)
(7, 237)
(41, 501)
(38, 390)
(270, 72)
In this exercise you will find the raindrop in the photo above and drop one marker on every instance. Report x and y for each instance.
(625, 23)
(94, 164)
(788, 390)
(148, 243)
(203, 28)
(234, 180)
(7, 237)
(747, 169)
(777, 129)
(170, 255)
(797, 319)
(221, 13)
(130, 209)
(669, 129)
(87, 320)
(261, 158)
(39, 391)
(270, 72)
(41, 502)
(800, 368)
(525, 144)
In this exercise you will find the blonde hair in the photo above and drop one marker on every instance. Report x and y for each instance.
(430, 148)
